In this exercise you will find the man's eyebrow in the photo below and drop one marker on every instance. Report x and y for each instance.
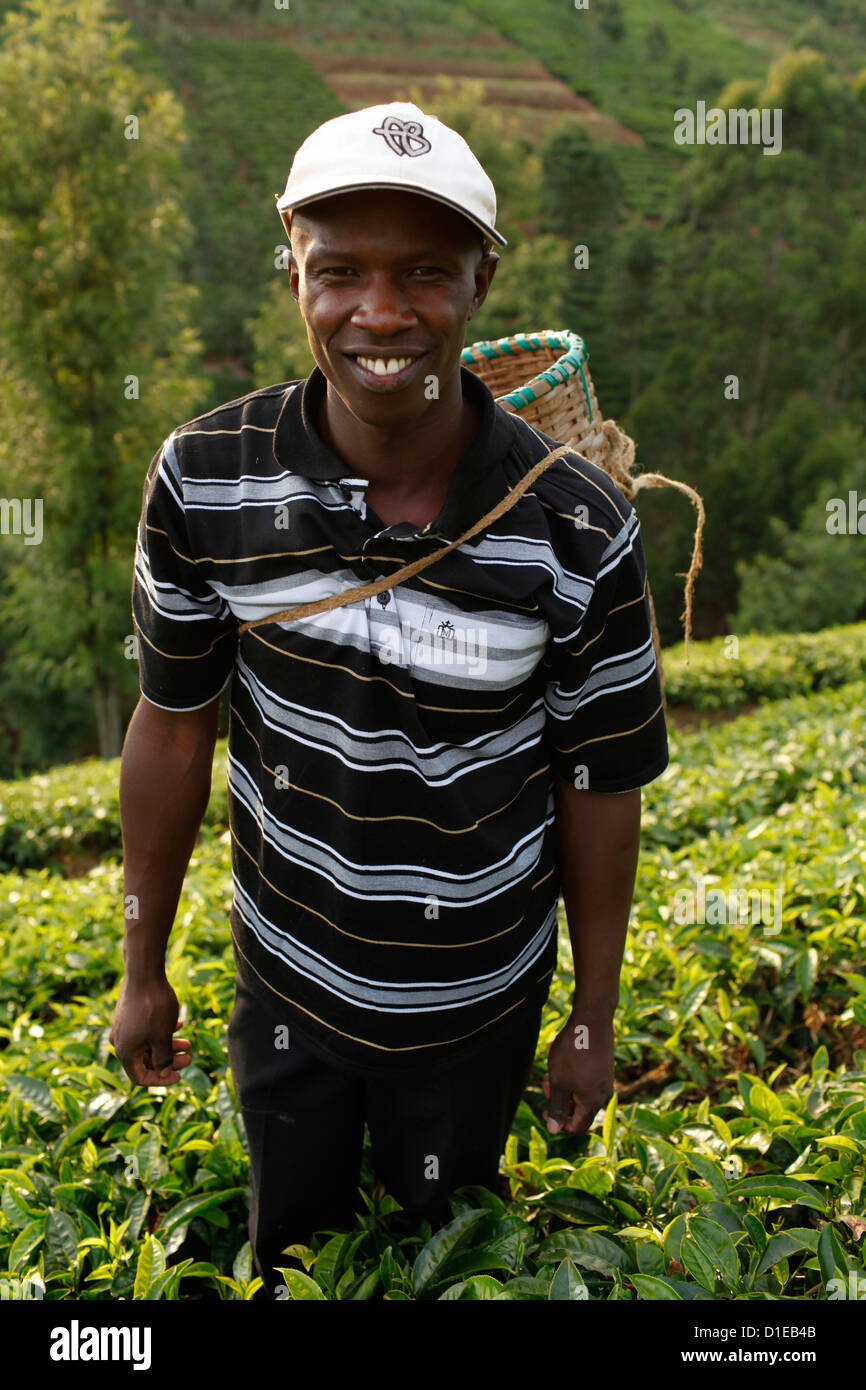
(320, 248)
(424, 253)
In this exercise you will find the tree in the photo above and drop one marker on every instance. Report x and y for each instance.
(812, 34)
(580, 186)
(582, 201)
(679, 75)
(761, 286)
(628, 296)
(612, 21)
(657, 43)
(279, 336)
(95, 337)
(818, 578)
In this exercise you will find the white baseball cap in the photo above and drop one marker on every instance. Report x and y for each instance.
(391, 146)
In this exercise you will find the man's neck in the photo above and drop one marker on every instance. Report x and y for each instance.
(407, 460)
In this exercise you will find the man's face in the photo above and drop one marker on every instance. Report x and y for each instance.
(381, 277)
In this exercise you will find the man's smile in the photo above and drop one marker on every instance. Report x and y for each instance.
(380, 371)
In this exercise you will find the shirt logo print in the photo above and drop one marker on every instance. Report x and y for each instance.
(445, 628)
(404, 137)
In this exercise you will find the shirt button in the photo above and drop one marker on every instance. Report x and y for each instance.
(384, 598)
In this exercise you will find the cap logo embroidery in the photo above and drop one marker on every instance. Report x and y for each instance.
(403, 137)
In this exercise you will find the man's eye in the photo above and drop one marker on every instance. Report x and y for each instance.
(427, 270)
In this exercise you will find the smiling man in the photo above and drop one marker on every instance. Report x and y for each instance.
(394, 408)
(405, 808)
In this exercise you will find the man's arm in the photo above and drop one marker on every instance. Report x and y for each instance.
(165, 779)
(597, 846)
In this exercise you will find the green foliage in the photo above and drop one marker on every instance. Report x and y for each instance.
(70, 811)
(704, 263)
(787, 748)
(628, 297)
(580, 184)
(812, 34)
(722, 410)
(75, 810)
(248, 106)
(818, 578)
(727, 672)
(612, 69)
(279, 336)
(96, 341)
(736, 1172)
(526, 291)
(612, 22)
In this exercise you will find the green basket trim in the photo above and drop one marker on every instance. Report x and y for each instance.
(569, 364)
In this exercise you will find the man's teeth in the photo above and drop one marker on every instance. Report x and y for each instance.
(383, 368)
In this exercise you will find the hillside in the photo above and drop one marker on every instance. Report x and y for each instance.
(719, 294)
(255, 85)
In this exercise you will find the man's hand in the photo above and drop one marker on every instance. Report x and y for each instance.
(579, 1080)
(141, 1033)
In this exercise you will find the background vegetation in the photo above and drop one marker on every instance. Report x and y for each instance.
(731, 1160)
(159, 261)
(142, 282)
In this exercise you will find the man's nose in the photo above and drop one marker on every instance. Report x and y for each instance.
(383, 306)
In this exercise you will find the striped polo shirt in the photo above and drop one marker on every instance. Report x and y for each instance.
(391, 762)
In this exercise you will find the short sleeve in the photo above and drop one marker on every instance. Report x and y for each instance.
(603, 698)
(186, 633)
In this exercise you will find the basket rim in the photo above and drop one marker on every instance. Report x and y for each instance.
(569, 364)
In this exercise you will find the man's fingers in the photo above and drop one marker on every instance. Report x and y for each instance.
(149, 1073)
(158, 1064)
(157, 1079)
(580, 1121)
(158, 1055)
(557, 1112)
(573, 1117)
(143, 1074)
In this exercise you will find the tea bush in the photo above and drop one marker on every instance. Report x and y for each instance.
(730, 1161)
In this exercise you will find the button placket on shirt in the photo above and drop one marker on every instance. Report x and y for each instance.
(382, 616)
(383, 621)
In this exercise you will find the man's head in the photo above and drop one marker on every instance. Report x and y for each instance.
(383, 277)
(391, 220)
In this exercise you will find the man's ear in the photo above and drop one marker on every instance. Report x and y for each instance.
(294, 274)
(484, 273)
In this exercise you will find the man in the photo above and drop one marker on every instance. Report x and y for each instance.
(413, 776)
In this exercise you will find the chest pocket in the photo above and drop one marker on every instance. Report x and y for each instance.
(479, 650)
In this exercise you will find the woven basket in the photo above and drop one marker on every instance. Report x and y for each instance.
(545, 378)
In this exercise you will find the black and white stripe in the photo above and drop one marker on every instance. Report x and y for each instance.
(391, 767)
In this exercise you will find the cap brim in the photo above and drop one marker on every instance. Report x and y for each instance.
(490, 232)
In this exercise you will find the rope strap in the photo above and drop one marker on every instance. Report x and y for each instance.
(363, 591)
(660, 480)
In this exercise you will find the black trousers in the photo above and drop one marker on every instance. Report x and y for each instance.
(304, 1120)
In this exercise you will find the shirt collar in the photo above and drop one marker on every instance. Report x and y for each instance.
(476, 484)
